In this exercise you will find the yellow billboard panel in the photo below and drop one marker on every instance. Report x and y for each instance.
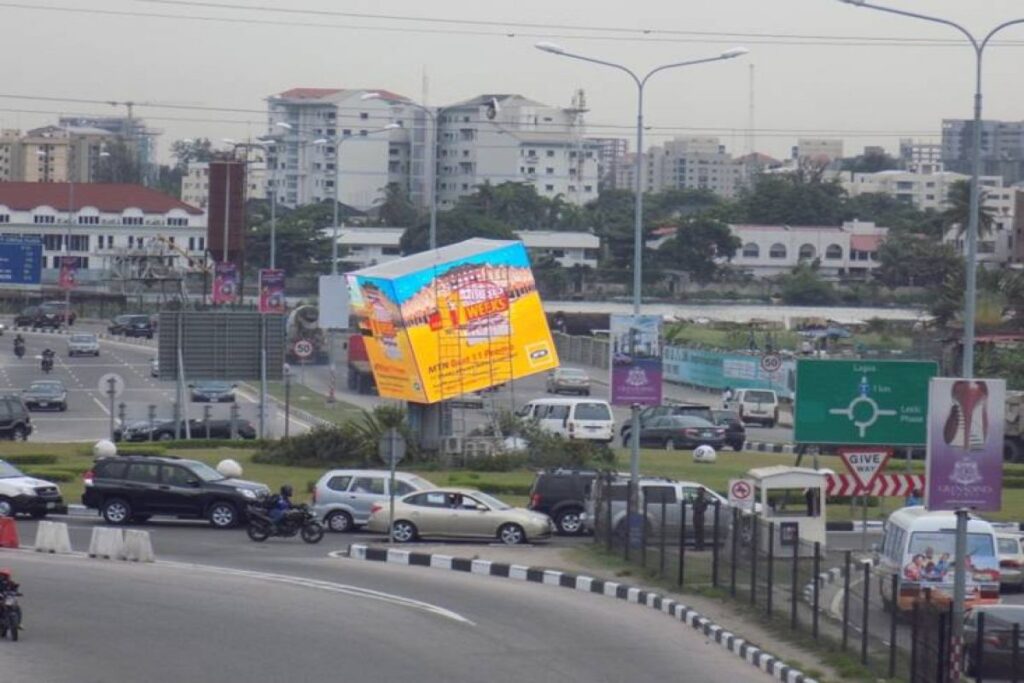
(454, 320)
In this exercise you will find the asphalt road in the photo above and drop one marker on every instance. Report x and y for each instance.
(88, 414)
(320, 618)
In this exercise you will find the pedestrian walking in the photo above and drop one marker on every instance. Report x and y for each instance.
(700, 508)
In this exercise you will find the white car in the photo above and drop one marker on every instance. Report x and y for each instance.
(1011, 561)
(154, 367)
(21, 494)
(83, 344)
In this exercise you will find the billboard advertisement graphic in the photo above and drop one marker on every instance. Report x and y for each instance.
(929, 562)
(68, 278)
(225, 283)
(965, 444)
(452, 321)
(635, 359)
(272, 290)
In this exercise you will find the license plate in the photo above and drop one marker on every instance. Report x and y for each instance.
(707, 435)
(43, 404)
(50, 506)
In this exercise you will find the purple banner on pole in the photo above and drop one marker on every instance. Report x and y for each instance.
(965, 444)
(272, 291)
(225, 283)
(635, 363)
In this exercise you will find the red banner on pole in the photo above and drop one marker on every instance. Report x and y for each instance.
(225, 283)
(68, 278)
(272, 290)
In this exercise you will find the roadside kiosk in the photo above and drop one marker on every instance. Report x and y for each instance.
(793, 499)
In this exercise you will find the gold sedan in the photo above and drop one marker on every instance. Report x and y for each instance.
(458, 513)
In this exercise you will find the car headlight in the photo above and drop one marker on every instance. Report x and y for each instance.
(26, 491)
(248, 493)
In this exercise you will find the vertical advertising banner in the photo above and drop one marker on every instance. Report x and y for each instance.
(965, 444)
(333, 302)
(272, 290)
(635, 359)
(225, 283)
(68, 278)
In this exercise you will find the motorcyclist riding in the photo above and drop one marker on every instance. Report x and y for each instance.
(47, 362)
(7, 583)
(281, 504)
(19, 346)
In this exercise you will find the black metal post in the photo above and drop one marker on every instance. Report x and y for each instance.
(735, 540)
(682, 542)
(864, 622)
(817, 590)
(914, 626)
(661, 540)
(794, 583)
(152, 420)
(608, 511)
(943, 663)
(771, 569)
(846, 600)
(207, 416)
(287, 402)
(979, 648)
(1015, 663)
(643, 534)
(628, 521)
(714, 547)
(894, 587)
(756, 528)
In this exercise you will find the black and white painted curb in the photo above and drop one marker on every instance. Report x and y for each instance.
(741, 648)
(768, 447)
(835, 575)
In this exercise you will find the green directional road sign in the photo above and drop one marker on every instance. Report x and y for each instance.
(862, 402)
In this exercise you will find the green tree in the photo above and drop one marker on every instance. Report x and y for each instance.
(699, 242)
(805, 287)
(888, 211)
(959, 211)
(454, 226)
(396, 209)
(872, 162)
(188, 151)
(120, 165)
(915, 260)
(798, 198)
(302, 248)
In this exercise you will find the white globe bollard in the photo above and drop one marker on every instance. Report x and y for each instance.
(230, 468)
(704, 454)
(104, 448)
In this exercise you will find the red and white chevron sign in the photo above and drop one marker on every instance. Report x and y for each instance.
(882, 485)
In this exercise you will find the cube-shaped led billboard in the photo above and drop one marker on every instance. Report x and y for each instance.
(457, 319)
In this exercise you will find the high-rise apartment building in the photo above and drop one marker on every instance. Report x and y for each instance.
(1002, 147)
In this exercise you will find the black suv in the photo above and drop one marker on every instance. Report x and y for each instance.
(690, 409)
(53, 314)
(561, 494)
(15, 422)
(28, 317)
(133, 325)
(163, 430)
(132, 488)
(735, 432)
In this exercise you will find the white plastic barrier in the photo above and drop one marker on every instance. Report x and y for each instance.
(106, 542)
(137, 546)
(52, 537)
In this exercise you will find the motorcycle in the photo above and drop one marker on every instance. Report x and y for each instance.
(10, 615)
(47, 364)
(299, 520)
(19, 349)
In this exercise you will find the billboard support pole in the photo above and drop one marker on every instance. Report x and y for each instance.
(263, 377)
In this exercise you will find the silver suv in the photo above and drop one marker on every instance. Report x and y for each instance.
(343, 498)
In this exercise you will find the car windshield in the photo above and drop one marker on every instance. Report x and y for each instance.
(572, 373)
(213, 386)
(83, 338)
(9, 470)
(205, 472)
(492, 502)
(726, 415)
(593, 411)
(759, 397)
(1009, 546)
(46, 387)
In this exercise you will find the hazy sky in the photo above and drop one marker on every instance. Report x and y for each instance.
(813, 77)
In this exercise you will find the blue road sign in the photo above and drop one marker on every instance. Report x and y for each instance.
(21, 261)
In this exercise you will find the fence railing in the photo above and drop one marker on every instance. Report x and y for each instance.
(829, 596)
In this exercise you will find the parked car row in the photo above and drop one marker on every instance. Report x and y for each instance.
(133, 325)
(46, 314)
(167, 430)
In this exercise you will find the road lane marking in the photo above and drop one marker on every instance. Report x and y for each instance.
(106, 411)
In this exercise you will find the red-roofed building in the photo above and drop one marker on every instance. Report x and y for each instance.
(99, 223)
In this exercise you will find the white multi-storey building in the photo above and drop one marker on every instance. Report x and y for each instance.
(308, 160)
(195, 184)
(693, 163)
(818, 149)
(509, 138)
(97, 222)
(847, 251)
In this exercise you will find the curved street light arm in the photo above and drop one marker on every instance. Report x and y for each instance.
(918, 15)
(716, 58)
(991, 34)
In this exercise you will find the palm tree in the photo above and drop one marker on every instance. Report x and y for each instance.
(959, 210)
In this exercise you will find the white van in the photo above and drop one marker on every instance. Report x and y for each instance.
(919, 546)
(756, 405)
(574, 418)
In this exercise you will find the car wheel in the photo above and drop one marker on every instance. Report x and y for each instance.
(569, 523)
(222, 515)
(165, 436)
(116, 511)
(63, 407)
(339, 522)
(736, 446)
(19, 433)
(6, 507)
(403, 531)
(511, 534)
(670, 444)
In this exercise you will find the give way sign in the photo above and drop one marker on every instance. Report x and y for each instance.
(741, 492)
(865, 464)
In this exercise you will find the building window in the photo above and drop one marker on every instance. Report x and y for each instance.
(549, 188)
(833, 252)
(751, 250)
(88, 220)
(5, 218)
(777, 250)
(588, 188)
(551, 152)
(549, 170)
(806, 251)
(79, 243)
(44, 220)
(53, 242)
(178, 222)
(202, 244)
(364, 115)
(391, 251)
(131, 220)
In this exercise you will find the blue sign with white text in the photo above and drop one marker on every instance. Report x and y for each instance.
(21, 262)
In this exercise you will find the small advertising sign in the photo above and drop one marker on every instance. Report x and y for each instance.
(965, 444)
(225, 283)
(272, 290)
(68, 278)
(635, 359)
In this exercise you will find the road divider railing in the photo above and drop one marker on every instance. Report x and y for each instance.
(52, 537)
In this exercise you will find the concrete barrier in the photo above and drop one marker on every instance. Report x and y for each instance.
(137, 546)
(106, 542)
(52, 537)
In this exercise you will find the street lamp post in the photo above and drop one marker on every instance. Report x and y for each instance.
(273, 197)
(638, 207)
(338, 140)
(970, 296)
